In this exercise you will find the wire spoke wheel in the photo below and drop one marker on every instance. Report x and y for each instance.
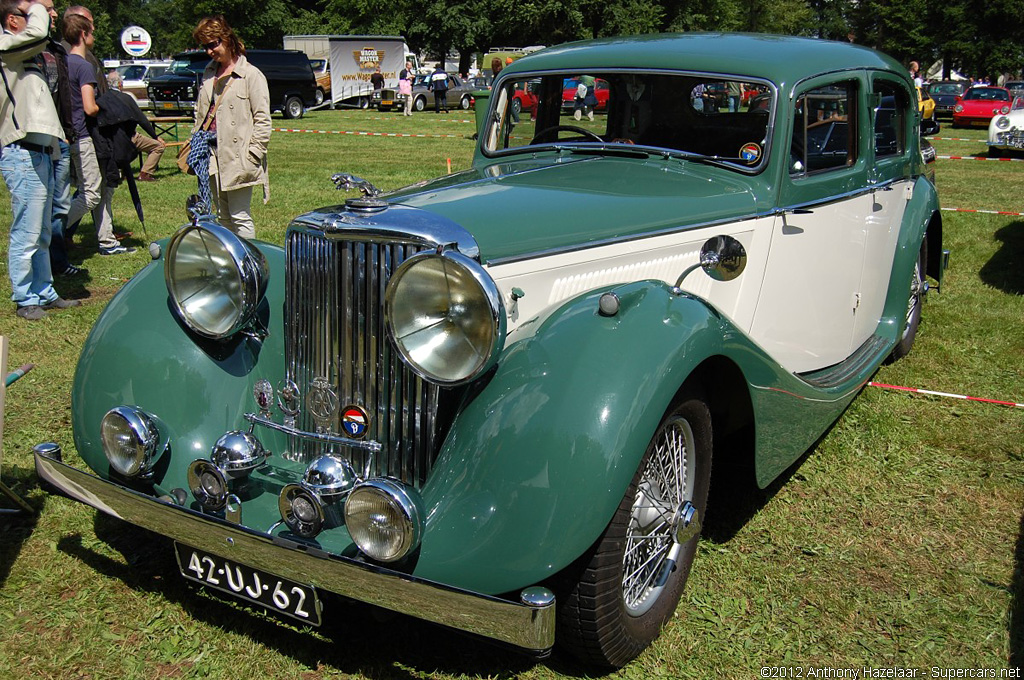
(665, 483)
(615, 599)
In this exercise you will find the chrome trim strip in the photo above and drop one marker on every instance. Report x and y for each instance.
(528, 627)
(325, 438)
(626, 239)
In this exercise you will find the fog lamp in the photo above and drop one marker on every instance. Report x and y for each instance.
(329, 477)
(208, 484)
(384, 518)
(237, 454)
(301, 510)
(130, 441)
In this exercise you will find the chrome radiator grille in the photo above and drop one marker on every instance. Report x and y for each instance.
(334, 321)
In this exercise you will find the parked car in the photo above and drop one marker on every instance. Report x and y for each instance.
(135, 79)
(926, 104)
(288, 72)
(322, 73)
(978, 104)
(460, 94)
(1016, 88)
(1006, 131)
(570, 86)
(493, 400)
(945, 93)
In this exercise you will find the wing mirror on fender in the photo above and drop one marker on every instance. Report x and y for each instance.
(722, 257)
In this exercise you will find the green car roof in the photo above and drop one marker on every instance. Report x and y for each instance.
(781, 59)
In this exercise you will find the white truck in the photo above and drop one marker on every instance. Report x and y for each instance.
(352, 59)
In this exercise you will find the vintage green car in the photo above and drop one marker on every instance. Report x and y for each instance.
(494, 400)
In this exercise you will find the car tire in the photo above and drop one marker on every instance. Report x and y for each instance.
(517, 106)
(419, 104)
(320, 97)
(364, 103)
(918, 289)
(465, 103)
(294, 108)
(609, 610)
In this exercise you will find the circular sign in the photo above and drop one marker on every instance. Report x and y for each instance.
(355, 421)
(750, 152)
(135, 41)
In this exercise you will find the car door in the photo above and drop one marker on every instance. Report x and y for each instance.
(806, 311)
(893, 114)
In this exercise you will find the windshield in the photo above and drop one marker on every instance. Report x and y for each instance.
(131, 71)
(687, 114)
(987, 94)
(946, 88)
(188, 66)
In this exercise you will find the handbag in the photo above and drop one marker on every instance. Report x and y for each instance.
(186, 148)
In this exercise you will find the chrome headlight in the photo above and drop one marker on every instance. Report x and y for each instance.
(130, 440)
(1002, 122)
(1004, 110)
(958, 108)
(208, 485)
(237, 454)
(215, 279)
(446, 316)
(384, 519)
(301, 510)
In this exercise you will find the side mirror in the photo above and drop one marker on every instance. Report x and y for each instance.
(723, 258)
(929, 127)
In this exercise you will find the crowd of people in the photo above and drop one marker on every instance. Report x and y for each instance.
(62, 122)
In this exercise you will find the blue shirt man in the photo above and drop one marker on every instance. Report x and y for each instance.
(29, 133)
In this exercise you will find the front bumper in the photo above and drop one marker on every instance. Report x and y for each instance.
(530, 627)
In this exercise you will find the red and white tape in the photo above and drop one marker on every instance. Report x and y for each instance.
(985, 212)
(368, 134)
(980, 158)
(945, 394)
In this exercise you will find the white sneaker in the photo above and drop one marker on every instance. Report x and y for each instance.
(590, 115)
(576, 114)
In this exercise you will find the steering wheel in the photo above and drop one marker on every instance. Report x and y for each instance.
(567, 128)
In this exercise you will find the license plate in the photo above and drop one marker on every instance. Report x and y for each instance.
(387, 102)
(168, 105)
(253, 585)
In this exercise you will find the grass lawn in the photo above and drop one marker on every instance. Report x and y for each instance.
(897, 541)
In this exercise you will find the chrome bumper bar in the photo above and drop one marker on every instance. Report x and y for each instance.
(530, 627)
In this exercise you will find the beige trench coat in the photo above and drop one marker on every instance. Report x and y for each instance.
(243, 126)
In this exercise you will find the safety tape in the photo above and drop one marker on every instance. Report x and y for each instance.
(957, 139)
(369, 134)
(945, 394)
(979, 158)
(986, 212)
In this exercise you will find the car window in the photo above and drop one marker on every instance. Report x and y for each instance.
(824, 129)
(688, 113)
(890, 119)
(132, 71)
(987, 94)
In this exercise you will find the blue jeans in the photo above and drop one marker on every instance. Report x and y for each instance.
(61, 205)
(29, 179)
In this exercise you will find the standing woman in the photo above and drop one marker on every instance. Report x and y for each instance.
(234, 105)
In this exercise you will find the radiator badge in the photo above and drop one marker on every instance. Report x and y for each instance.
(355, 421)
(322, 403)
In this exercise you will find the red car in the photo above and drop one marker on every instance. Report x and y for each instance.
(569, 86)
(979, 104)
(525, 100)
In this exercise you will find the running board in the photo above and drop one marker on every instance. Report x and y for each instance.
(869, 354)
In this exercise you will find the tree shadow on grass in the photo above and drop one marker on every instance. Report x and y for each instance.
(354, 637)
(1005, 269)
(1016, 613)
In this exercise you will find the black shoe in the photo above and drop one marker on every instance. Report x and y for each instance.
(61, 303)
(31, 312)
(72, 270)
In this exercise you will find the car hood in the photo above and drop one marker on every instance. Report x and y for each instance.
(522, 208)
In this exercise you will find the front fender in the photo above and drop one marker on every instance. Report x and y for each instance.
(537, 462)
(139, 354)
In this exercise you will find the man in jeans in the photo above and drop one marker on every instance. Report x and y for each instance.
(29, 132)
(94, 194)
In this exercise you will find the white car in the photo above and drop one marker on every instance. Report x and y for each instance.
(135, 78)
(1006, 130)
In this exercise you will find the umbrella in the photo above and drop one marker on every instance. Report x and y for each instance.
(133, 189)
